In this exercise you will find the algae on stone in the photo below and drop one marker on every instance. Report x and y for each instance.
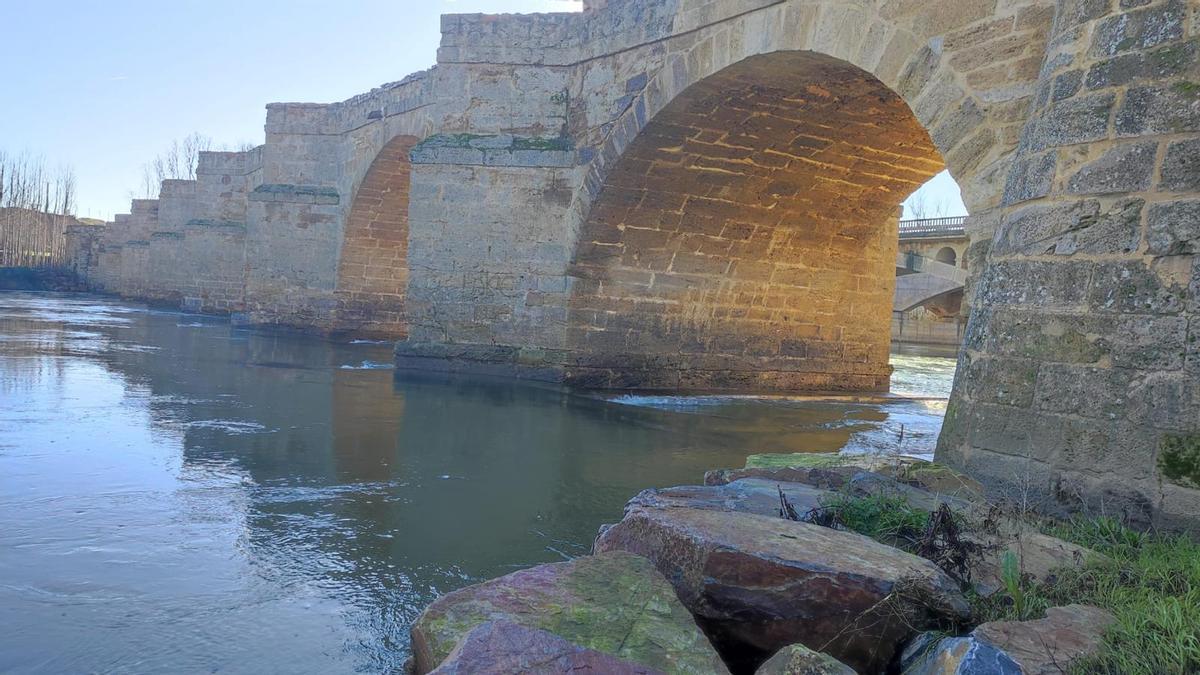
(614, 603)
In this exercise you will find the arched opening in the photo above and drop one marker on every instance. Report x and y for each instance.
(747, 237)
(373, 267)
(947, 255)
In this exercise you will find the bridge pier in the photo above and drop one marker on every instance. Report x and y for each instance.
(1079, 382)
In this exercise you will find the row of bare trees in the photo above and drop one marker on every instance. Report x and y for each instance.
(177, 162)
(28, 182)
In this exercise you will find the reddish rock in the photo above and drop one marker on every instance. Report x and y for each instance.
(759, 583)
(1067, 634)
(506, 647)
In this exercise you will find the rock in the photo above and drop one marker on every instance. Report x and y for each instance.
(749, 495)
(615, 603)
(1067, 634)
(800, 660)
(827, 460)
(758, 584)
(507, 647)
(833, 467)
(938, 654)
(868, 484)
(1043, 647)
(1039, 555)
(832, 478)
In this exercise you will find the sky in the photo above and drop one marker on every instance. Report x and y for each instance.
(104, 87)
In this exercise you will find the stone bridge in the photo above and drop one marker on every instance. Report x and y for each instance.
(702, 194)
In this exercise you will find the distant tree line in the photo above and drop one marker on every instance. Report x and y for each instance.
(27, 182)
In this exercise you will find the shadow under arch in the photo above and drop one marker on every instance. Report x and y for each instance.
(746, 237)
(372, 277)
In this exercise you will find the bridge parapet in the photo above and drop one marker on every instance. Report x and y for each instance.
(934, 228)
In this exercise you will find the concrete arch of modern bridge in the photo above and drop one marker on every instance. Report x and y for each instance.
(557, 160)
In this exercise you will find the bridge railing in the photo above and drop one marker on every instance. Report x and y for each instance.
(933, 227)
(33, 239)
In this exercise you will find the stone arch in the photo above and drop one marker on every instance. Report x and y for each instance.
(747, 236)
(372, 274)
(947, 255)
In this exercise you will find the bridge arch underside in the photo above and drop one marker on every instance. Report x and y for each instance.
(747, 238)
(372, 276)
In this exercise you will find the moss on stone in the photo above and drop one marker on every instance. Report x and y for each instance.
(545, 144)
(616, 603)
(1179, 459)
(1186, 88)
(799, 460)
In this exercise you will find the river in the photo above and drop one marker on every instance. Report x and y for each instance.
(179, 495)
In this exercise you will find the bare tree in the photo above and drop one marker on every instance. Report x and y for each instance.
(176, 162)
(920, 207)
(27, 183)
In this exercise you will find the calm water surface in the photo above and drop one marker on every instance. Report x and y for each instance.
(180, 496)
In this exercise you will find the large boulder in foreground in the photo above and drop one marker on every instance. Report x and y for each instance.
(759, 583)
(506, 647)
(1047, 646)
(800, 660)
(615, 603)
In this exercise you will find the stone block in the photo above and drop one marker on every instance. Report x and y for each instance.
(1165, 62)
(1173, 228)
(1124, 168)
(1082, 390)
(1170, 109)
(1134, 288)
(1030, 178)
(1140, 29)
(1077, 120)
(1181, 167)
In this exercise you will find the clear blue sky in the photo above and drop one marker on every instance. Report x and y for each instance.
(106, 86)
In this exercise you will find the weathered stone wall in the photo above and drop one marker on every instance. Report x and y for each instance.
(1080, 378)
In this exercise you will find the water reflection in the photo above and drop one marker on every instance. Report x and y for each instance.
(178, 495)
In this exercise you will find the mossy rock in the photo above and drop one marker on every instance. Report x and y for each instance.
(616, 603)
(941, 479)
(825, 460)
(936, 478)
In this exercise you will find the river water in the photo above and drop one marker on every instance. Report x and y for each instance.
(178, 495)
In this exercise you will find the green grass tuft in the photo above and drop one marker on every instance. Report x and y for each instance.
(884, 518)
(1150, 582)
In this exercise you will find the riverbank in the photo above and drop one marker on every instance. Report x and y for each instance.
(835, 564)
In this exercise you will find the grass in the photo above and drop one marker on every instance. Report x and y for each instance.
(884, 518)
(1149, 581)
